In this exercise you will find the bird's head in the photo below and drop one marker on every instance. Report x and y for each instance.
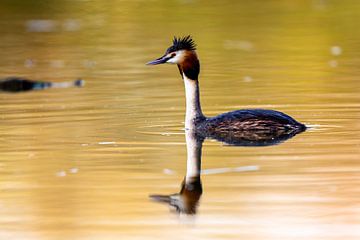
(182, 52)
(177, 53)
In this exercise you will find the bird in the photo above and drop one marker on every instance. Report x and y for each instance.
(238, 124)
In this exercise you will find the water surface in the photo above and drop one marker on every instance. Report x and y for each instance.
(80, 163)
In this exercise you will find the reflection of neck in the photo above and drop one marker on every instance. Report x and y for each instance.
(193, 165)
(193, 108)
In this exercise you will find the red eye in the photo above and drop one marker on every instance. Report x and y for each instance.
(173, 54)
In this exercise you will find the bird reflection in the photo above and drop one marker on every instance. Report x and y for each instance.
(187, 200)
(16, 84)
(252, 138)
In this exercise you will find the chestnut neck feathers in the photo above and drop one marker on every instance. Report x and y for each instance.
(189, 65)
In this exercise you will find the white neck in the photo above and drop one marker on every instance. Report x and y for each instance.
(193, 147)
(193, 108)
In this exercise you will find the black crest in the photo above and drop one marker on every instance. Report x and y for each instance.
(185, 43)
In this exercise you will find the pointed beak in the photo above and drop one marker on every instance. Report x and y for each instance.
(160, 60)
(161, 198)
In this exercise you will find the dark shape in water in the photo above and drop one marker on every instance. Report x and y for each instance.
(16, 84)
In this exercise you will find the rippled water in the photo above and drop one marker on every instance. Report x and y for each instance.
(80, 163)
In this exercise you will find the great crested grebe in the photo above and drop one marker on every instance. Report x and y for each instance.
(182, 53)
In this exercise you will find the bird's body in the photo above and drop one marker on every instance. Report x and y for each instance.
(250, 119)
(266, 122)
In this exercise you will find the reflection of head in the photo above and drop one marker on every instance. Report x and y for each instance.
(187, 200)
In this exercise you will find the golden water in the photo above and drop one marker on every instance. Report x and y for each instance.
(80, 163)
